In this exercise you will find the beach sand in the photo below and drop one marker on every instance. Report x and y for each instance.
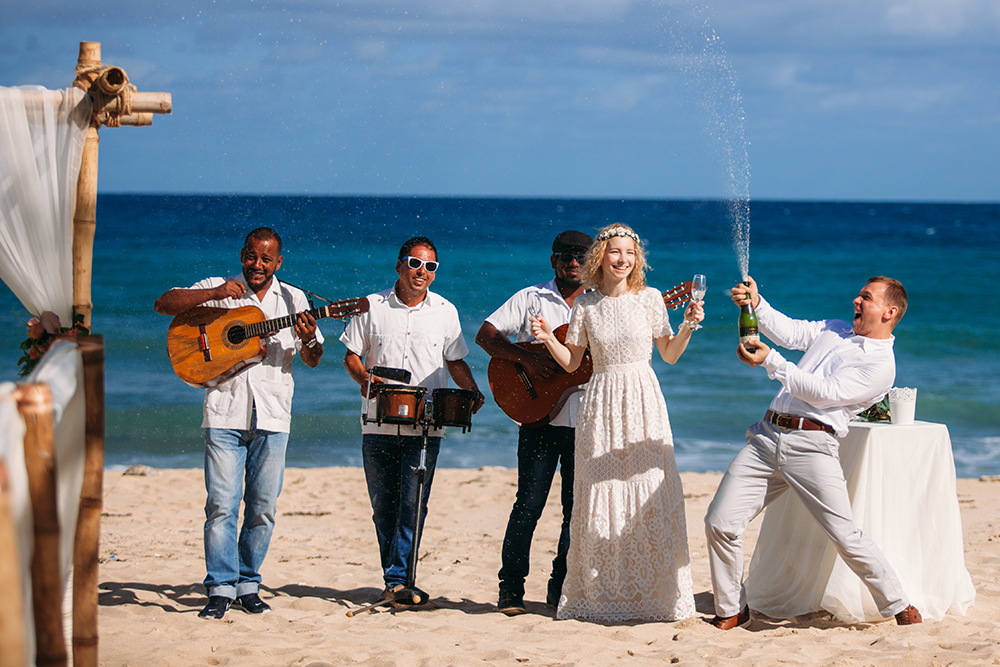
(323, 562)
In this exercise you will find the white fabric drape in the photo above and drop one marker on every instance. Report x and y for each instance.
(42, 133)
(62, 369)
(901, 479)
(12, 454)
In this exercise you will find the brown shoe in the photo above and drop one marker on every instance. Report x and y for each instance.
(909, 616)
(740, 620)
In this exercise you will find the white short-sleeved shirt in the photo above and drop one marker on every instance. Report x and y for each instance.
(511, 319)
(418, 339)
(269, 384)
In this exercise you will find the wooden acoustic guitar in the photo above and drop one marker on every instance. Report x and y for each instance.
(210, 345)
(533, 402)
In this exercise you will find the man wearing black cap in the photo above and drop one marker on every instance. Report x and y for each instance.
(539, 450)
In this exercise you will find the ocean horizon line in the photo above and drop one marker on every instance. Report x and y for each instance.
(580, 198)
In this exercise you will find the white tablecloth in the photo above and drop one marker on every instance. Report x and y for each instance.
(901, 480)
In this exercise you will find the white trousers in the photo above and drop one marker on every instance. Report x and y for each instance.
(774, 460)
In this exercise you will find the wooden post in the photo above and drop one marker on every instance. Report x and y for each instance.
(35, 405)
(85, 214)
(92, 77)
(88, 526)
(12, 609)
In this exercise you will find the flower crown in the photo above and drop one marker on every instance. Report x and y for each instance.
(617, 231)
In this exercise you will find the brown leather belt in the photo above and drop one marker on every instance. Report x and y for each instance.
(797, 423)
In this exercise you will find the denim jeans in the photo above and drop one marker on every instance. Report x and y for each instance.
(232, 456)
(539, 451)
(390, 471)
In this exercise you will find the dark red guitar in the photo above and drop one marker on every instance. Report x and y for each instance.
(533, 402)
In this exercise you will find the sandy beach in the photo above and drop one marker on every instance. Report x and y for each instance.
(323, 562)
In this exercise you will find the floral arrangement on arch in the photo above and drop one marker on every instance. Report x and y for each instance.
(42, 332)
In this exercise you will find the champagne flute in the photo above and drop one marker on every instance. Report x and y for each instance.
(698, 290)
(534, 306)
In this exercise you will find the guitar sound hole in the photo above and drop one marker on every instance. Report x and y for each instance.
(236, 335)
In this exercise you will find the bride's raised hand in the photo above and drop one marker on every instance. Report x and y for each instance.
(540, 329)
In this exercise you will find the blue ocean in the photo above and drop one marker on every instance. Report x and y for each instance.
(810, 259)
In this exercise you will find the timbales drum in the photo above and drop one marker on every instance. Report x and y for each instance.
(399, 404)
(453, 407)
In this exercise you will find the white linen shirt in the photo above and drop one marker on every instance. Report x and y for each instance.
(511, 319)
(418, 339)
(839, 375)
(267, 385)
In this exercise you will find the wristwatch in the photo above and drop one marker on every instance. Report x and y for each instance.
(313, 343)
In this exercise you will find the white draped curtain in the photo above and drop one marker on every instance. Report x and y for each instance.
(12, 455)
(42, 133)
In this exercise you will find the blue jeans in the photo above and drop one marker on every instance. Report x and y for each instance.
(390, 470)
(539, 451)
(232, 456)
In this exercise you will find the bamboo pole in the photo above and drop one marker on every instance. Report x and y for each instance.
(12, 609)
(35, 405)
(134, 119)
(88, 526)
(151, 102)
(85, 213)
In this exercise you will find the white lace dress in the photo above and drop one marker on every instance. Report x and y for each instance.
(628, 555)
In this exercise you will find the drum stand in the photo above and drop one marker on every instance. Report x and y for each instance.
(409, 594)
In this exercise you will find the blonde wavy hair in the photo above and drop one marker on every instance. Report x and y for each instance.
(593, 273)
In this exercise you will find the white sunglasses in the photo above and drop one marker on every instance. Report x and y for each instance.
(416, 263)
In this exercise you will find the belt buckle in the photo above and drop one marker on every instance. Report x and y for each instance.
(784, 421)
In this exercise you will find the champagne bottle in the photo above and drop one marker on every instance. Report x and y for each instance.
(748, 325)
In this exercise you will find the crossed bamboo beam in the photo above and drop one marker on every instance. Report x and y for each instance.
(143, 106)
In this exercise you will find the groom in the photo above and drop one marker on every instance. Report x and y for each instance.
(844, 369)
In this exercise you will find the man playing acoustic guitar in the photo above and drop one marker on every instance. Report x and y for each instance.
(541, 447)
(246, 422)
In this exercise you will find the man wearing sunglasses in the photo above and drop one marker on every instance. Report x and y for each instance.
(407, 327)
(539, 450)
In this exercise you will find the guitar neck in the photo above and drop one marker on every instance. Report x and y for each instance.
(279, 323)
(338, 309)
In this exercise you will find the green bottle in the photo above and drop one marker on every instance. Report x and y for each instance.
(749, 333)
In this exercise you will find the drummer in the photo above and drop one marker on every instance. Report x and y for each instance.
(407, 327)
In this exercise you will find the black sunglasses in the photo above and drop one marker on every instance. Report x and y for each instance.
(567, 257)
(416, 263)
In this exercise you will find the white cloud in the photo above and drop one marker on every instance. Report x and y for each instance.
(939, 19)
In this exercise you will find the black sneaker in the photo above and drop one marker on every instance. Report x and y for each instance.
(511, 604)
(216, 608)
(252, 604)
(554, 593)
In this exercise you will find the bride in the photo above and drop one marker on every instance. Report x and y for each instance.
(628, 557)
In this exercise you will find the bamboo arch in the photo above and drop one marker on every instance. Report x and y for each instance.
(115, 103)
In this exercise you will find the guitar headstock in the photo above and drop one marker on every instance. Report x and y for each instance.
(346, 308)
(675, 297)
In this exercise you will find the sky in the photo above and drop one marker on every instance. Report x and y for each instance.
(867, 100)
